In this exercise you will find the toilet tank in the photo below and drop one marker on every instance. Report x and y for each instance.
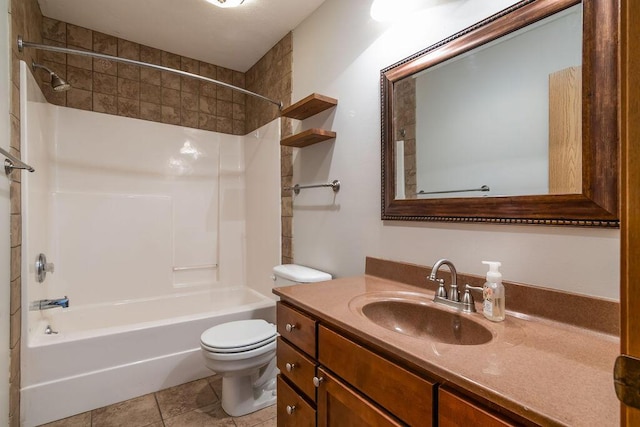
(291, 274)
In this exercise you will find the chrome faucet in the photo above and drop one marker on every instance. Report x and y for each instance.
(454, 294)
(452, 299)
(45, 304)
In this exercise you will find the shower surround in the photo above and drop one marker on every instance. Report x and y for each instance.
(157, 232)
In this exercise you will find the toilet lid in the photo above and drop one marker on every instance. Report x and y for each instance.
(239, 335)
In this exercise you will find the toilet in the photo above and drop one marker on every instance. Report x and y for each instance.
(243, 352)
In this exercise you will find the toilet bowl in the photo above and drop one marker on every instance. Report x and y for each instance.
(243, 352)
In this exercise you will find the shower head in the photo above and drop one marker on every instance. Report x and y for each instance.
(57, 83)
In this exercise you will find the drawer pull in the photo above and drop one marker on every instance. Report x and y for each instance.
(289, 327)
(291, 409)
(317, 381)
(290, 366)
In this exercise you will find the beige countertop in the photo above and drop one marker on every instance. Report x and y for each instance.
(547, 372)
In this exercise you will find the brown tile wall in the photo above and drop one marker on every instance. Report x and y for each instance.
(119, 89)
(26, 20)
(405, 129)
(271, 76)
(126, 90)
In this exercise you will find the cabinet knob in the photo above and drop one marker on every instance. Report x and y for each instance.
(291, 409)
(289, 366)
(317, 381)
(289, 327)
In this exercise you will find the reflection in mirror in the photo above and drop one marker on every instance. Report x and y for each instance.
(503, 119)
(512, 120)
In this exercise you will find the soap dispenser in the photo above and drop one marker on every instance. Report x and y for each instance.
(493, 293)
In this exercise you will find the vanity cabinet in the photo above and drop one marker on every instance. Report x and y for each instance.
(455, 410)
(328, 379)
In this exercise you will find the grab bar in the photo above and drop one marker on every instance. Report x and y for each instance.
(335, 184)
(11, 161)
(483, 188)
(195, 267)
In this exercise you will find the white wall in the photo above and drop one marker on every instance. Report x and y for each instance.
(339, 51)
(5, 210)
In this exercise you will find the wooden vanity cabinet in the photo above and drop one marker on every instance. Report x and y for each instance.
(455, 410)
(326, 379)
(339, 405)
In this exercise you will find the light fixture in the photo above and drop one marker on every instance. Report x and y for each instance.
(226, 3)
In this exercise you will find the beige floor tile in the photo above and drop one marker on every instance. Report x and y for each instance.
(184, 398)
(211, 415)
(257, 418)
(138, 412)
(80, 420)
(273, 422)
(216, 384)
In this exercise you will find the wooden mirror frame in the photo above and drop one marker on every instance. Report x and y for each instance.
(598, 204)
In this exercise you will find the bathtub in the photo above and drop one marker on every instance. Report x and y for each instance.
(148, 345)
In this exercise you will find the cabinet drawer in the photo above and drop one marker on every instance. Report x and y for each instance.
(292, 409)
(455, 410)
(404, 394)
(297, 368)
(297, 328)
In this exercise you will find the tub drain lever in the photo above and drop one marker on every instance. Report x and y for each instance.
(49, 331)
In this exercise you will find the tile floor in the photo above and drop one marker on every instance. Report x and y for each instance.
(194, 404)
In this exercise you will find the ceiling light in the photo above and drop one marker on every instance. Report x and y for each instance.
(226, 3)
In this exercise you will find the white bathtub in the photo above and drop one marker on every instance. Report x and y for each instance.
(104, 354)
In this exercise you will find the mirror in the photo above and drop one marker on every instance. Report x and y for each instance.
(513, 120)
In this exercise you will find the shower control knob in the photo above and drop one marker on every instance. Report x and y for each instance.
(289, 366)
(43, 267)
(289, 327)
(291, 409)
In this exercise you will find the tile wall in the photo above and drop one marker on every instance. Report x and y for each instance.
(126, 90)
(405, 130)
(26, 20)
(113, 88)
(272, 76)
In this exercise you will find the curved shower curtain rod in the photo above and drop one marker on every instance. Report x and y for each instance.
(22, 44)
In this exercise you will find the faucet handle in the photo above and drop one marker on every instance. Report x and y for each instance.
(441, 292)
(467, 298)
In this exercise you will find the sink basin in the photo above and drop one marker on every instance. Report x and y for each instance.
(425, 321)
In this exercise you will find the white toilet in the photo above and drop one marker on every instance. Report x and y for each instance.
(243, 352)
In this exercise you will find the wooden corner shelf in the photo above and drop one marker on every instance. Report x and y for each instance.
(307, 137)
(309, 106)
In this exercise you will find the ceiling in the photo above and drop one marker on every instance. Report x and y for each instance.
(234, 38)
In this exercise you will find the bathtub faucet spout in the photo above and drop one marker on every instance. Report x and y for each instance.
(45, 304)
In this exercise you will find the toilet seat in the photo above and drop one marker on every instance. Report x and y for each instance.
(239, 336)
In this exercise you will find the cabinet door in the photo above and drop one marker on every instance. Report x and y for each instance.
(340, 406)
(455, 410)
